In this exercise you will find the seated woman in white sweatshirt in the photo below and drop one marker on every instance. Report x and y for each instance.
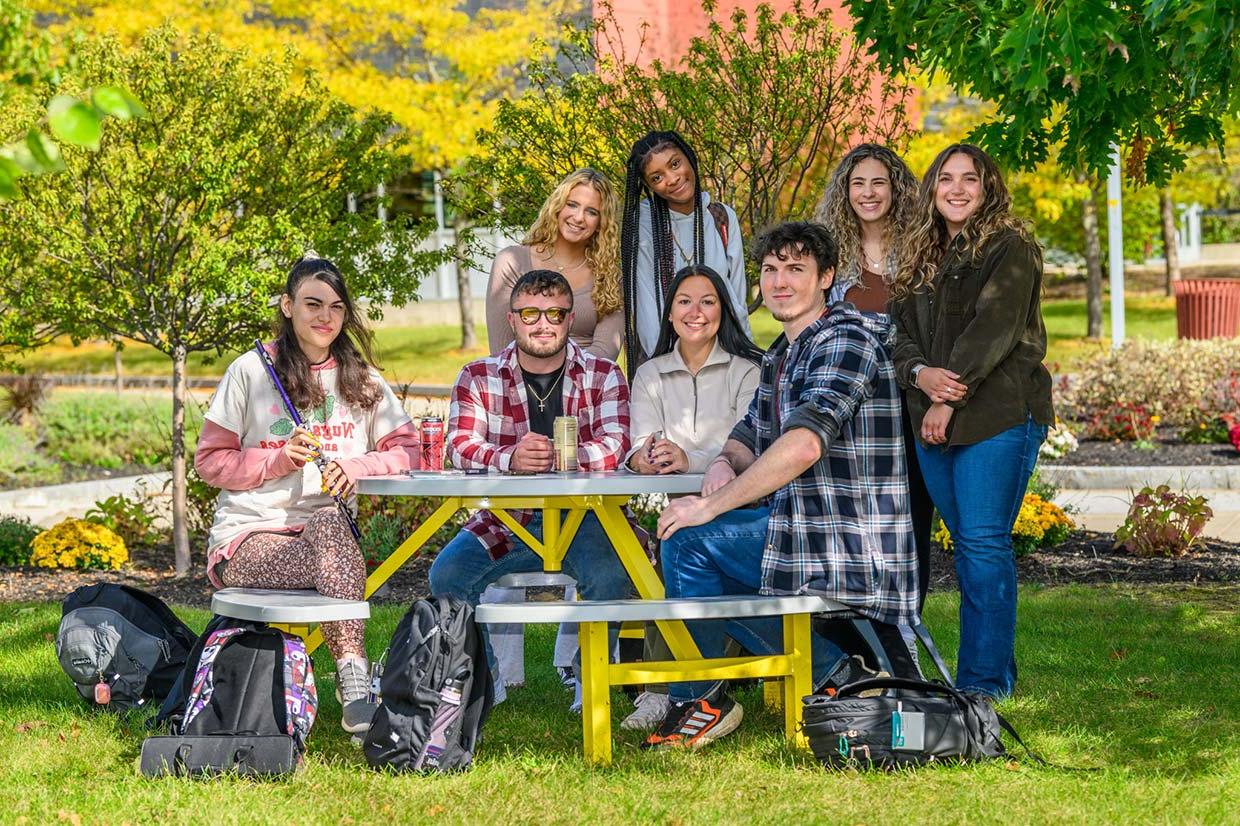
(698, 383)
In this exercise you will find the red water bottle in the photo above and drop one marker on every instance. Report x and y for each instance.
(432, 443)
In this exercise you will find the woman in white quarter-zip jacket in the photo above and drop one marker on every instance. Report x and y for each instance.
(699, 382)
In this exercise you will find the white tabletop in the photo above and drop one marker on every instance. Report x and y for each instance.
(457, 483)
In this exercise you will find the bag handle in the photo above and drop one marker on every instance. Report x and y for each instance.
(853, 689)
(180, 760)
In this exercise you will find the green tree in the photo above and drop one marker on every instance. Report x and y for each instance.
(1075, 76)
(769, 102)
(179, 229)
(24, 62)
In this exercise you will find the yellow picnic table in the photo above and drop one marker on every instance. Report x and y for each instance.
(563, 498)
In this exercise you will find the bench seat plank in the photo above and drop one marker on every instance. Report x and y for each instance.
(280, 606)
(624, 610)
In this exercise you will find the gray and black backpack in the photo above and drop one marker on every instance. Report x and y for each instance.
(121, 646)
(436, 691)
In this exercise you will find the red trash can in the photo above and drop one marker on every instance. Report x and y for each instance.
(1207, 308)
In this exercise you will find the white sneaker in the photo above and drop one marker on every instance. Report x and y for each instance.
(650, 711)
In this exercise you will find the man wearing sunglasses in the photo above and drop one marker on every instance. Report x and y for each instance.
(501, 419)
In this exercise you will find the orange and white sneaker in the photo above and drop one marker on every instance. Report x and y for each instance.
(693, 725)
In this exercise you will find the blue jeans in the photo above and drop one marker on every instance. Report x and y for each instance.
(978, 490)
(464, 569)
(722, 557)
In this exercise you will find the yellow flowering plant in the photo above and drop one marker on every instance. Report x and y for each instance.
(1040, 524)
(77, 543)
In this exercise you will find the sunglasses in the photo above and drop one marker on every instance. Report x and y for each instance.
(529, 315)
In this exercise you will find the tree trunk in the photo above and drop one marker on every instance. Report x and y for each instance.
(180, 527)
(469, 339)
(118, 366)
(1093, 261)
(1171, 248)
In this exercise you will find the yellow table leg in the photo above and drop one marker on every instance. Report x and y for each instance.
(595, 691)
(649, 586)
(773, 694)
(302, 631)
(550, 538)
(801, 681)
(399, 557)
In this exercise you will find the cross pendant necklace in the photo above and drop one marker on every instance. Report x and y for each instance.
(542, 400)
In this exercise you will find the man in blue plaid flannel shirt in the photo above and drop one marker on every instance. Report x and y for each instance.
(821, 450)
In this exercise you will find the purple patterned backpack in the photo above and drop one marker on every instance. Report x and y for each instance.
(252, 681)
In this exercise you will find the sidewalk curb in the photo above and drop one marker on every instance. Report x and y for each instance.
(1186, 477)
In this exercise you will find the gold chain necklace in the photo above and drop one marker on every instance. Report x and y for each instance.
(542, 400)
(560, 268)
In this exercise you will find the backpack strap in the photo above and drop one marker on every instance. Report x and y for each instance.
(204, 678)
(301, 698)
(720, 213)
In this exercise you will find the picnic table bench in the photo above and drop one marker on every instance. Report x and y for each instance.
(792, 667)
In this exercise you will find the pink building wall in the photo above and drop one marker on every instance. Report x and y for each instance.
(672, 24)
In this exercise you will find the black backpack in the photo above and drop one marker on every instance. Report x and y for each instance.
(436, 691)
(248, 703)
(121, 646)
(913, 722)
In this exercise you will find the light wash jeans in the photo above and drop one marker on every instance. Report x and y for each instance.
(724, 556)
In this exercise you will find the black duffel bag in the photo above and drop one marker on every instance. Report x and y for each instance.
(912, 723)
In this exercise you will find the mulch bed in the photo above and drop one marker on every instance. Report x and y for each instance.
(1086, 557)
(1168, 450)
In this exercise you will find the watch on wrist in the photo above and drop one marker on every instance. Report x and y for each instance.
(917, 368)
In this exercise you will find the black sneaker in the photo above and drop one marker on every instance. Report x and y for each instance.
(693, 725)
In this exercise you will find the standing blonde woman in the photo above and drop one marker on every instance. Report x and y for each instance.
(871, 201)
(577, 234)
(969, 348)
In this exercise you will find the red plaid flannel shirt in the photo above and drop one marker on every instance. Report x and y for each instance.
(489, 415)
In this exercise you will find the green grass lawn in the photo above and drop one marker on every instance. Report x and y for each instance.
(431, 354)
(1137, 683)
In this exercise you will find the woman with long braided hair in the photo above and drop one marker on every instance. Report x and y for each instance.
(670, 223)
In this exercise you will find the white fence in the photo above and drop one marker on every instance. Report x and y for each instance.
(441, 284)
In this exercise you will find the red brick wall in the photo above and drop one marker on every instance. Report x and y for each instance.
(673, 23)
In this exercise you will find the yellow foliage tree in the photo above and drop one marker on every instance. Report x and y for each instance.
(438, 70)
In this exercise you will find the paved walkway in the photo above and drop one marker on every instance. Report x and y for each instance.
(45, 506)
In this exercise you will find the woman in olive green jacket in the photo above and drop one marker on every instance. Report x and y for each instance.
(969, 348)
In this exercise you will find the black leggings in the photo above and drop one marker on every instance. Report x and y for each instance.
(921, 506)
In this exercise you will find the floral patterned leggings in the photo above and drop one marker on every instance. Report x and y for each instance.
(324, 556)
